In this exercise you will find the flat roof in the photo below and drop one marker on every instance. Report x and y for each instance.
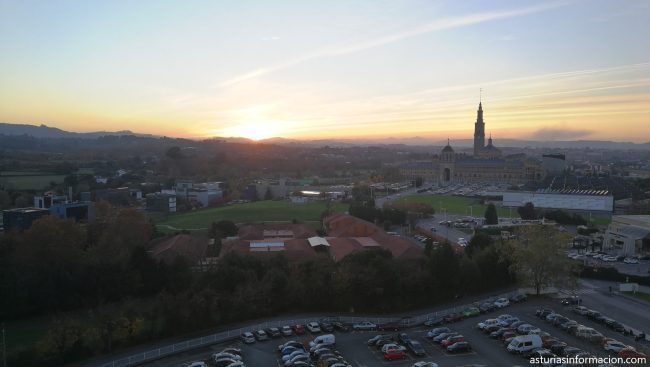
(318, 241)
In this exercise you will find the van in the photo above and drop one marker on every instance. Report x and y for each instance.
(322, 341)
(589, 334)
(524, 343)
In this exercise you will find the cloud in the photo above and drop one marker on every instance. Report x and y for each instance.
(271, 38)
(438, 25)
(560, 133)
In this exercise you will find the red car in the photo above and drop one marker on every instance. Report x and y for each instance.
(298, 329)
(393, 354)
(451, 340)
(453, 317)
(631, 353)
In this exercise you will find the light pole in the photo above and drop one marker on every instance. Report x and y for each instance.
(4, 347)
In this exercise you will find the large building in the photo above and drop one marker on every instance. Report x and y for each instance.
(487, 164)
(593, 201)
(629, 235)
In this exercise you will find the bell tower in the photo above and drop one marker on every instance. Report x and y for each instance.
(479, 131)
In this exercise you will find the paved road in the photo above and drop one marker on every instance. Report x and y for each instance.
(450, 233)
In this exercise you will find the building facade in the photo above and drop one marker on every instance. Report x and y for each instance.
(487, 164)
(629, 235)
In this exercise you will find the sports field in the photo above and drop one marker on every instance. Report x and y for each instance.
(457, 205)
(255, 212)
(29, 180)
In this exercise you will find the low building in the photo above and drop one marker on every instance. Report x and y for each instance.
(629, 235)
(79, 211)
(120, 197)
(161, 202)
(21, 219)
(597, 201)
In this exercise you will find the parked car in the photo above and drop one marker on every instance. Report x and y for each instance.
(424, 364)
(589, 334)
(501, 302)
(542, 313)
(518, 298)
(393, 354)
(326, 327)
(437, 331)
(341, 326)
(453, 317)
(452, 340)
(197, 364)
(224, 355)
(486, 307)
(631, 353)
(376, 338)
(389, 346)
(460, 347)
(394, 326)
(260, 335)
(286, 330)
(489, 322)
(403, 338)
(273, 332)
(573, 300)
(313, 327)
(365, 326)
(416, 348)
(298, 329)
(438, 339)
(614, 346)
(471, 312)
(524, 343)
(580, 310)
(499, 333)
(434, 321)
(247, 337)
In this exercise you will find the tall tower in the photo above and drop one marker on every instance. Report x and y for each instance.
(479, 132)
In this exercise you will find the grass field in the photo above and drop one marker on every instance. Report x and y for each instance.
(457, 205)
(29, 182)
(255, 212)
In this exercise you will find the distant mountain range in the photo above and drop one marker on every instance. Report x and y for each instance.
(44, 131)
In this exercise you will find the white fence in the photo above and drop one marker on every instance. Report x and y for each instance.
(229, 335)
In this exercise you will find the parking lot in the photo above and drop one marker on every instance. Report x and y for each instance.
(485, 351)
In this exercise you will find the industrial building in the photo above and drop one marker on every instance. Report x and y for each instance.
(629, 235)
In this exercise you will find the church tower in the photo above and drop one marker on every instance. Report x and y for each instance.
(479, 132)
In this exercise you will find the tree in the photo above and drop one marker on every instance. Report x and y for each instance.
(527, 211)
(268, 195)
(224, 228)
(491, 216)
(480, 241)
(537, 259)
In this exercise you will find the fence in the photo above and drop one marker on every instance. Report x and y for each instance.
(229, 335)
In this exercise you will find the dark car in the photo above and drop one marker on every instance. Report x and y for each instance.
(460, 347)
(416, 348)
(273, 332)
(389, 326)
(600, 319)
(376, 338)
(381, 342)
(591, 314)
(438, 339)
(574, 300)
(435, 321)
(453, 317)
(529, 354)
(486, 307)
(570, 351)
(340, 326)
(518, 298)
(542, 313)
(615, 325)
(558, 349)
(491, 328)
(560, 320)
(403, 338)
(223, 362)
(498, 333)
(326, 327)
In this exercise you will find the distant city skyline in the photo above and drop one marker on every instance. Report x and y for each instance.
(556, 70)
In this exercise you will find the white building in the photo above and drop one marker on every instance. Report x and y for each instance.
(629, 235)
(584, 200)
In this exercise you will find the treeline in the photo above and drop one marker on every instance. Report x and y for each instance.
(103, 291)
(529, 212)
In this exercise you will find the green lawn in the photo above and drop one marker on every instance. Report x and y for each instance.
(255, 212)
(639, 295)
(30, 182)
(457, 205)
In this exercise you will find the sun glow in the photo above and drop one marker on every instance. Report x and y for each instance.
(256, 130)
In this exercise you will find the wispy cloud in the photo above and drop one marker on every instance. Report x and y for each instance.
(438, 25)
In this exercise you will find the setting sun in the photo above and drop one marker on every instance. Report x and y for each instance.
(255, 130)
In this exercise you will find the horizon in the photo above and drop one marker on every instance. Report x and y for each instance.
(384, 70)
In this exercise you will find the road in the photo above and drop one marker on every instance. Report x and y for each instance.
(450, 233)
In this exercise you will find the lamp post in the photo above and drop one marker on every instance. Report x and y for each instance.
(4, 347)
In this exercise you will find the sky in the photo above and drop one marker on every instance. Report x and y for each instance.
(544, 70)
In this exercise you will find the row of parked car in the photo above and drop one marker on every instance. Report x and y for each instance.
(602, 256)
(476, 310)
(229, 357)
(320, 352)
(396, 346)
(313, 327)
(449, 340)
(529, 340)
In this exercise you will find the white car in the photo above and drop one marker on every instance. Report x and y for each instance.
(386, 347)
(501, 303)
(224, 355)
(286, 331)
(313, 327)
(365, 325)
(197, 364)
(630, 260)
(424, 364)
(614, 346)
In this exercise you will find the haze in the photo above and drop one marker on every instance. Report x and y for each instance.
(301, 69)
